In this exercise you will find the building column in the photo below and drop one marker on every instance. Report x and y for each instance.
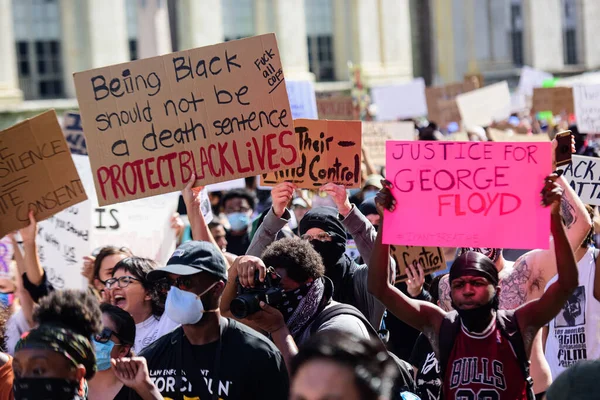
(396, 40)
(443, 32)
(290, 28)
(94, 34)
(543, 34)
(261, 16)
(342, 33)
(590, 16)
(153, 31)
(200, 23)
(9, 81)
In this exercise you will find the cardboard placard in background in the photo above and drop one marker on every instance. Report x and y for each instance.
(474, 194)
(587, 105)
(401, 101)
(483, 106)
(330, 151)
(302, 99)
(557, 100)
(36, 172)
(431, 259)
(73, 130)
(441, 101)
(221, 110)
(375, 134)
(583, 174)
(339, 108)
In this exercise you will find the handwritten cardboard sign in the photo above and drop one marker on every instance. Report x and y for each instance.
(221, 111)
(375, 134)
(36, 172)
(330, 151)
(339, 108)
(396, 102)
(73, 131)
(441, 101)
(583, 174)
(587, 108)
(431, 259)
(557, 100)
(477, 194)
(302, 99)
(483, 106)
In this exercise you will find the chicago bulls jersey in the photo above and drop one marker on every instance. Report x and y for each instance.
(483, 366)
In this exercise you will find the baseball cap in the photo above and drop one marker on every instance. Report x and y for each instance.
(298, 201)
(191, 258)
(373, 180)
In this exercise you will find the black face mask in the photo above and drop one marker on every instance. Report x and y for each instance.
(476, 319)
(330, 252)
(45, 389)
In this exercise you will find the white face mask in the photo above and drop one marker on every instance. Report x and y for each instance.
(185, 308)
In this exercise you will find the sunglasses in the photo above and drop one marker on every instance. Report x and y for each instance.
(321, 237)
(105, 335)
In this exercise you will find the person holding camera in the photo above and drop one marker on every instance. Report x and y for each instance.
(209, 356)
(286, 294)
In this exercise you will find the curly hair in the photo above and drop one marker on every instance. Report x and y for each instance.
(4, 316)
(107, 251)
(139, 267)
(373, 369)
(74, 309)
(299, 259)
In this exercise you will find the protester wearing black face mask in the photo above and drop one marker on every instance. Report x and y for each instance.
(326, 228)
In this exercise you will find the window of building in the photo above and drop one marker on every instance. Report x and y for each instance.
(570, 34)
(37, 39)
(319, 30)
(516, 31)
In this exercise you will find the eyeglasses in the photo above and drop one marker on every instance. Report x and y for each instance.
(122, 281)
(105, 335)
(321, 237)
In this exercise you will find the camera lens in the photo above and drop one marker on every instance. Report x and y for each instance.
(244, 305)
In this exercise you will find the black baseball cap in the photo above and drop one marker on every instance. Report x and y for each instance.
(191, 258)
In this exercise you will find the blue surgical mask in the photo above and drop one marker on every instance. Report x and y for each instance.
(352, 192)
(370, 194)
(103, 351)
(238, 221)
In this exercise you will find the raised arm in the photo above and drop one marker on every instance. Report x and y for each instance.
(537, 313)
(33, 267)
(420, 315)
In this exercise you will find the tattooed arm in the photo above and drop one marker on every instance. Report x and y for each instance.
(514, 283)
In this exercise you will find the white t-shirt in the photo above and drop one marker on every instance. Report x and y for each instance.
(15, 327)
(150, 330)
(574, 334)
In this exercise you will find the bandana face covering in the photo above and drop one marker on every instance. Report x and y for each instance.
(299, 305)
(45, 389)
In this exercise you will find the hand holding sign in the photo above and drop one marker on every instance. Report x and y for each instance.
(282, 194)
(340, 197)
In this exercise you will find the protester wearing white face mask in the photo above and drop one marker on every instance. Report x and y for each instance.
(218, 357)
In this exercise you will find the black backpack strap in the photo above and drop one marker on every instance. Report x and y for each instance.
(449, 330)
(341, 309)
(509, 328)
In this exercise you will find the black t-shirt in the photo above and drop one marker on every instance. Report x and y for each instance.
(429, 381)
(251, 367)
(237, 244)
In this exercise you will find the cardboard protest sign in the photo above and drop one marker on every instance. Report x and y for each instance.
(339, 108)
(477, 194)
(431, 259)
(73, 131)
(532, 78)
(221, 111)
(441, 101)
(483, 106)
(587, 104)
(36, 172)
(375, 134)
(396, 102)
(302, 99)
(557, 100)
(583, 174)
(330, 151)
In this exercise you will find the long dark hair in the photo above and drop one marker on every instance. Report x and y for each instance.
(139, 268)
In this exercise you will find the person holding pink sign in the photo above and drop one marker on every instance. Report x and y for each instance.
(483, 351)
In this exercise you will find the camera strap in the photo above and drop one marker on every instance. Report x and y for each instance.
(223, 325)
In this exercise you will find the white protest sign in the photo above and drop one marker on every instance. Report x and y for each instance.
(583, 174)
(530, 79)
(303, 102)
(401, 101)
(239, 183)
(483, 106)
(375, 134)
(587, 108)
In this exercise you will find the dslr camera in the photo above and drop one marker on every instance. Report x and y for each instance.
(247, 301)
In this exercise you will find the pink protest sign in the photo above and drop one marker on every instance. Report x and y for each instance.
(468, 194)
